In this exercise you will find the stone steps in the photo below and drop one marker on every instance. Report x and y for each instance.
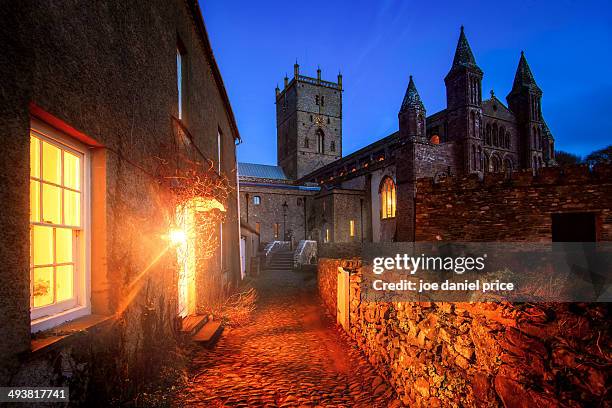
(209, 333)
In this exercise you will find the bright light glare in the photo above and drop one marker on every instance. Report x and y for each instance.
(177, 236)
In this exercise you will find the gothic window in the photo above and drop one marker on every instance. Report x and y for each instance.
(480, 165)
(495, 134)
(421, 124)
(473, 124)
(387, 198)
(332, 146)
(486, 163)
(320, 141)
(306, 143)
(488, 134)
(502, 136)
(496, 164)
(507, 140)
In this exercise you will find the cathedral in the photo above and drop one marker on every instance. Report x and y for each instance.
(316, 193)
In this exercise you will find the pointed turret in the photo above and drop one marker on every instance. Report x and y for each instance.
(463, 54)
(412, 100)
(523, 79)
(412, 114)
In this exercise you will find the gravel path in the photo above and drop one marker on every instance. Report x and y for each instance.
(290, 355)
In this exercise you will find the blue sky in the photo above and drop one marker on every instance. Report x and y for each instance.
(377, 44)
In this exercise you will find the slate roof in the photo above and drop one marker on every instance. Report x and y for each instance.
(412, 98)
(523, 77)
(261, 171)
(463, 54)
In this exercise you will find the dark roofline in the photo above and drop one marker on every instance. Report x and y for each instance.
(196, 13)
(372, 146)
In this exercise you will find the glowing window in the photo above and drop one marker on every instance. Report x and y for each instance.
(256, 200)
(326, 234)
(387, 198)
(352, 227)
(57, 226)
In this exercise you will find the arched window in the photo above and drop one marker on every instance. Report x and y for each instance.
(421, 123)
(507, 140)
(488, 134)
(306, 143)
(473, 124)
(332, 146)
(486, 167)
(256, 200)
(495, 141)
(496, 163)
(508, 165)
(387, 198)
(480, 164)
(320, 141)
(502, 136)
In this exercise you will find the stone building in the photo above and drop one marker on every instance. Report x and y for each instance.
(102, 104)
(364, 195)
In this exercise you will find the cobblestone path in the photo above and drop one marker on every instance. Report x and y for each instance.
(290, 355)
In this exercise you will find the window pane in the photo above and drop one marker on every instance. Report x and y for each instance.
(52, 163)
(43, 245)
(34, 201)
(43, 286)
(63, 245)
(51, 203)
(72, 171)
(34, 157)
(72, 208)
(65, 282)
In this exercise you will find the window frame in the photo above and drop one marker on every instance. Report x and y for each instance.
(46, 317)
(256, 200)
(387, 211)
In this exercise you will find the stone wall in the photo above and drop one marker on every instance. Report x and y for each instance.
(342, 250)
(480, 354)
(514, 209)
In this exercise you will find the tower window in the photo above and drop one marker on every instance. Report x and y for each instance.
(256, 200)
(320, 141)
(387, 198)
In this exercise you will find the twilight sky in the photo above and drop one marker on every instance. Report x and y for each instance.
(377, 44)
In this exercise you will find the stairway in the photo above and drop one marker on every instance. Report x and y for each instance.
(281, 261)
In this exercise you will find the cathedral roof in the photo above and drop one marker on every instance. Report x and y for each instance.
(523, 77)
(411, 99)
(261, 171)
(463, 54)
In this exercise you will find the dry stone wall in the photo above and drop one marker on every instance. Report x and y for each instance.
(480, 354)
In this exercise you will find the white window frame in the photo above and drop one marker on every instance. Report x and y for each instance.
(46, 317)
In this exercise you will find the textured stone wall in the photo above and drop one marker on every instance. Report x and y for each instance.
(480, 354)
(518, 209)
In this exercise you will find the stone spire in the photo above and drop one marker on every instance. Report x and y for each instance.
(523, 77)
(463, 54)
(412, 100)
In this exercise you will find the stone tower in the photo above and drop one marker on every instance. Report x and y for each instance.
(308, 123)
(524, 101)
(464, 104)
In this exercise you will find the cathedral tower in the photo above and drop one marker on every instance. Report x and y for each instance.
(308, 123)
(464, 103)
(524, 101)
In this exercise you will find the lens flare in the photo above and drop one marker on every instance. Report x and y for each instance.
(177, 237)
